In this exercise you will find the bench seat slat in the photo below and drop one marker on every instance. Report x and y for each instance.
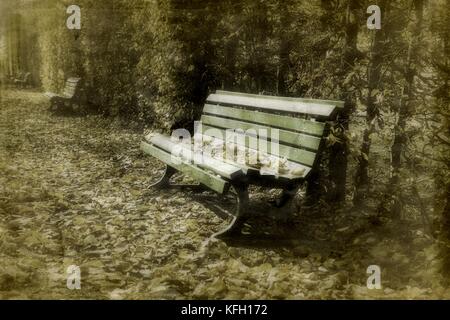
(225, 170)
(282, 122)
(213, 182)
(313, 109)
(71, 86)
(302, 156)
(284, 136)
(69, 93)
(292, 154)
(50, 94)
(246, 168)
(73, 80)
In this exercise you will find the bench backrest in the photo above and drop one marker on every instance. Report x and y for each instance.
(72, 85)
(300, 122)
(26, 77)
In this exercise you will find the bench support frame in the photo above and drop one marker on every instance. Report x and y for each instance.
(240, 191)
(164, 182)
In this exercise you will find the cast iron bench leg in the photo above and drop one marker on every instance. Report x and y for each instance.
(164, 182)
(287, 195)
(240, 216)
(55, 104)
(284, 203)
(51, 108)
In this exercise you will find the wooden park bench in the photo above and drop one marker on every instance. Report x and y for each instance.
(295, 126)
(71, 96)
(22, 80)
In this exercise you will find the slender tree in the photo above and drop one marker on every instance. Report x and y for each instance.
(440, 126)
(406, 104)
(230, 38)
(339, 150)
(376, 57)
(285, 46)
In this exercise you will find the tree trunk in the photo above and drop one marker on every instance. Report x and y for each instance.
(406, 100)
(230, 62)
(284, 48)
(231, 47)
(445, 232)
(361, 179)
(442, 195)
(339, 151)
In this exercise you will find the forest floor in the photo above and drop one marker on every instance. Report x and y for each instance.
(74, 191)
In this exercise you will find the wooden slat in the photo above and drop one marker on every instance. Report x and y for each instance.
(273, 120)
(213, 182)
(312, 109)
(225, 170)
(301, 156)
(50, 94)
(247, 167)
(69, 90)
(73, 80)
(68, 94)
(337, 103)
(284, 136)
(71, 87)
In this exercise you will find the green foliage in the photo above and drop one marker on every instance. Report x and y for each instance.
(157, 60)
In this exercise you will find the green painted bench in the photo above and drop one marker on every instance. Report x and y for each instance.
(290, 132)
(71, 96)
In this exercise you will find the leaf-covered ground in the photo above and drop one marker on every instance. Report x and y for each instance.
(73, 191)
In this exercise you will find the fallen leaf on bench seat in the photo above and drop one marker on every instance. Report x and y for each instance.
(298, 172)
(207, 140)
